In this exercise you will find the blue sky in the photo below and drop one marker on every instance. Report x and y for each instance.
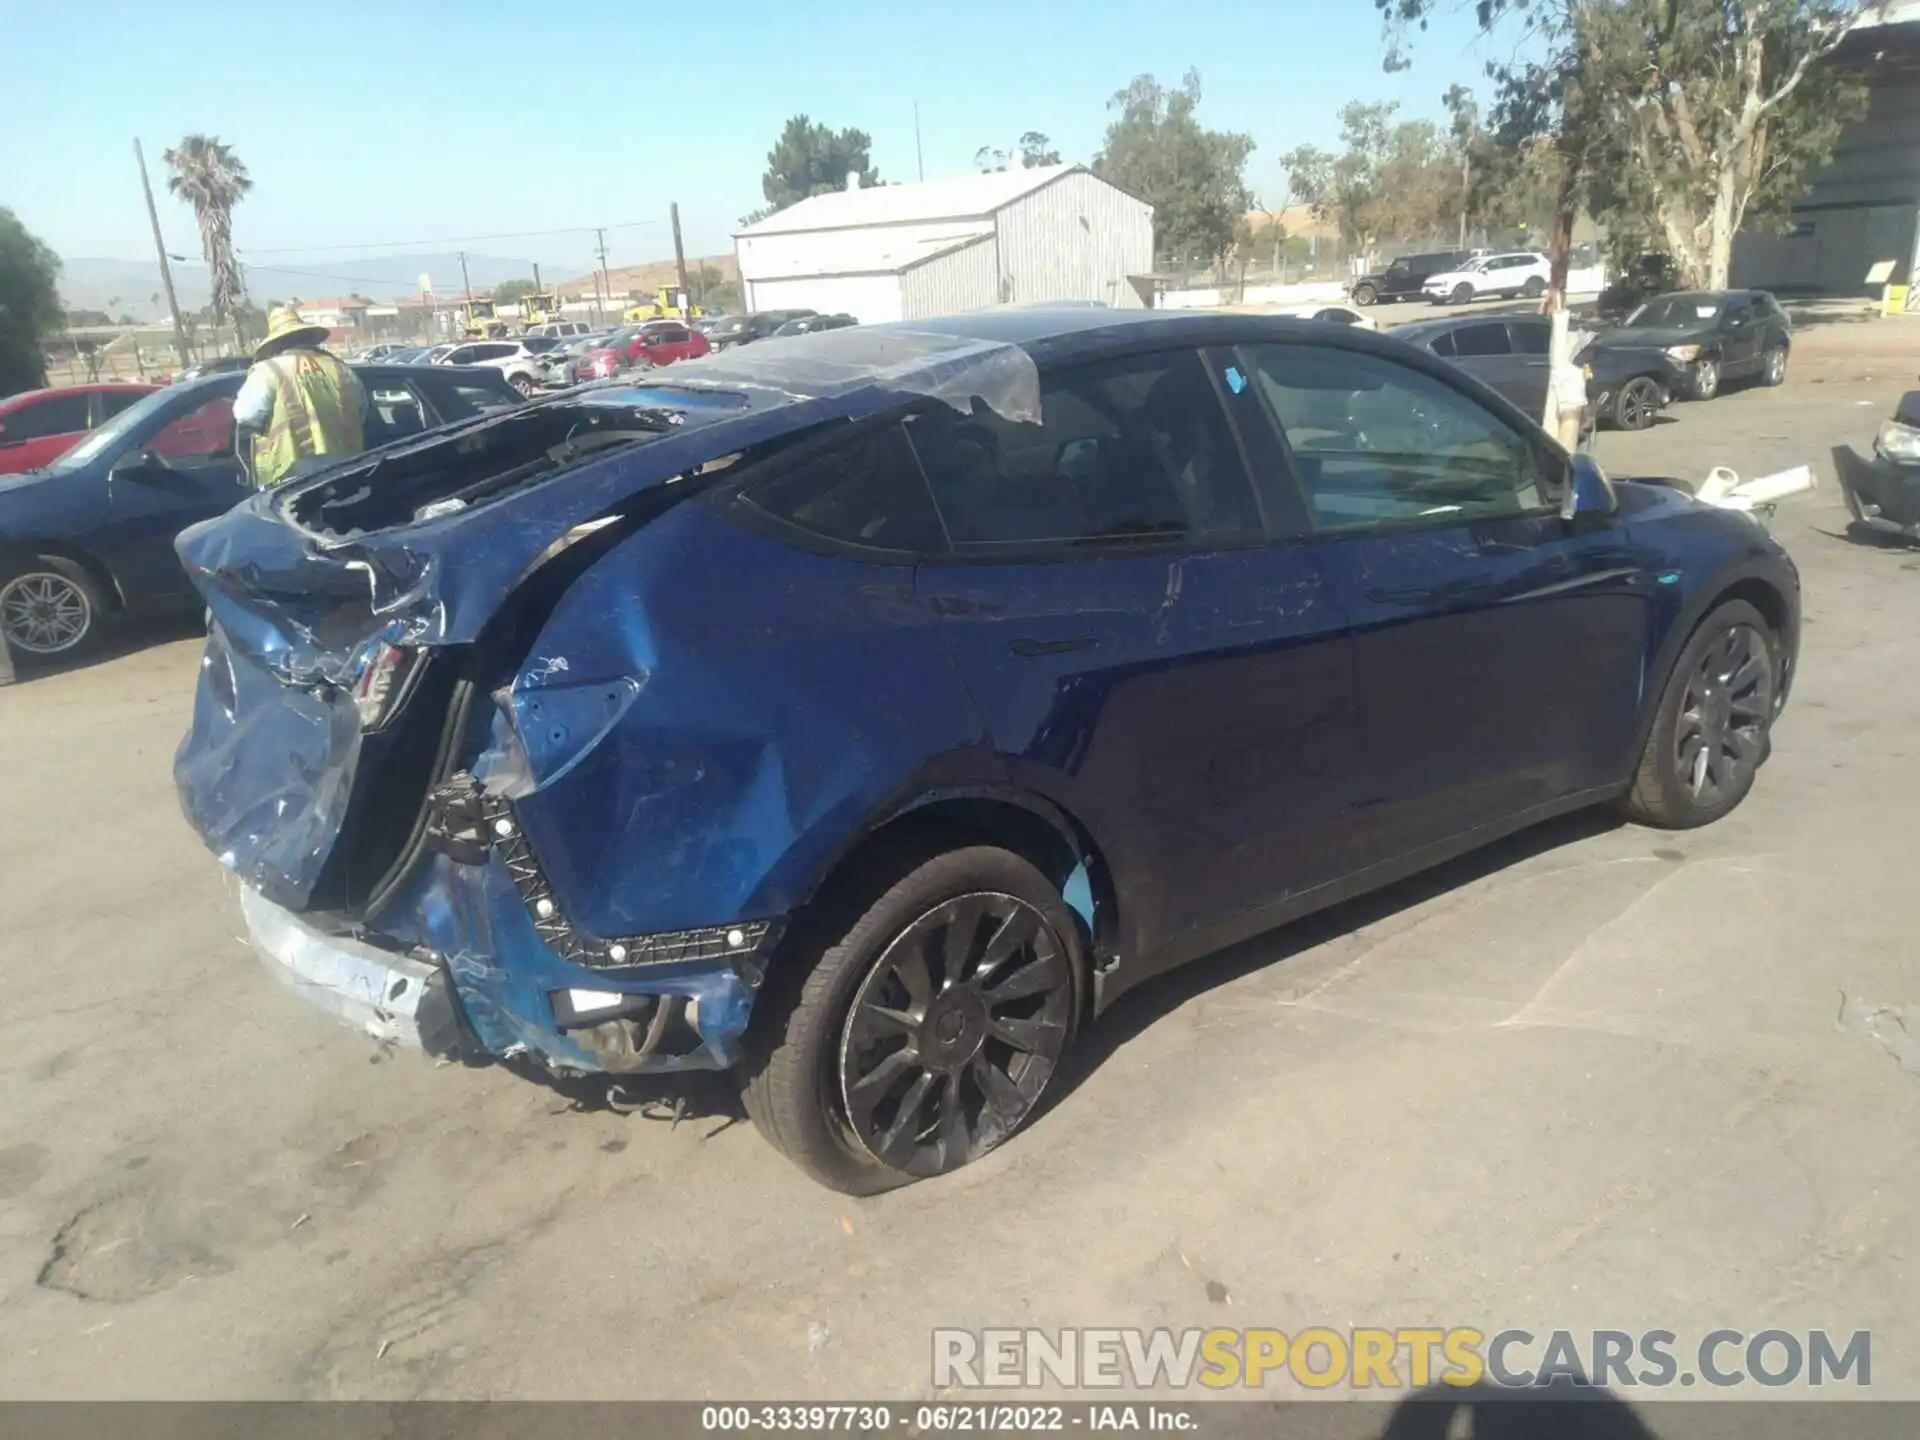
(366, 125)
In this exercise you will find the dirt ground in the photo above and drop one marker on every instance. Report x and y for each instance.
(1594, 1077)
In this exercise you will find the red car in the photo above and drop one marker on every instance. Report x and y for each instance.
(657, 342)
(39, 426)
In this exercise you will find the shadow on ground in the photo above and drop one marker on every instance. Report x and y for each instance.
(122, 638)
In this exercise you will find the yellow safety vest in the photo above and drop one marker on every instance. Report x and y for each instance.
(317, 410)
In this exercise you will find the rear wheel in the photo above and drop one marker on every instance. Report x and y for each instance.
(1712, 731)
(522, 383)
(1364, 295)
(50, 607)
(1706, 379)
(922, 1030)
(1638, 402)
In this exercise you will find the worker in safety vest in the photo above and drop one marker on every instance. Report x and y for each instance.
(300, 402)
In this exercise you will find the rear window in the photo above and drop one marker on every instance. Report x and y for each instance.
(539, 344)
(867, 492)
(1471, 341)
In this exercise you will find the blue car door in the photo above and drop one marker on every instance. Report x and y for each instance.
(176, 471)
(1138, 651)
(1498, 648)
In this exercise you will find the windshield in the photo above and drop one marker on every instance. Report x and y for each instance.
(1671, 310)
(538, 344)
(114, 431)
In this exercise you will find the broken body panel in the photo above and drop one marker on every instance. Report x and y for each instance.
(559, 695)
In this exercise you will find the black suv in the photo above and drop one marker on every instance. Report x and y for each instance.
(1403, 278)
(745, 329)
(1713, 335)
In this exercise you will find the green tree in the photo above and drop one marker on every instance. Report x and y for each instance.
(1686, 116)
(511, 292)
(1030, 150)
(1156, 149)
(204, 171)
(812, 159)
(29, 305)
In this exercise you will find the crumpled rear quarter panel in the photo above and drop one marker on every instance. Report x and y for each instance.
(785, 696)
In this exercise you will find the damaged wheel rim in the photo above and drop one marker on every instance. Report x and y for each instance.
(44, 613)
(1721, 735)
(955, 1033)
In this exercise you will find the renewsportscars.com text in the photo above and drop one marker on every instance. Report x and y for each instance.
(1403, 1358)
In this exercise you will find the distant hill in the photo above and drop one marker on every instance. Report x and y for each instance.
(647, 278)
(133, 286)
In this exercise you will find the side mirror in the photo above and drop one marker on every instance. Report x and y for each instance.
(1589, 491)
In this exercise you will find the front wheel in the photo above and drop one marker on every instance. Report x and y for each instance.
(921, 1031)
(1461, 294)
(1364, 295)
(1638, 402)
(1774, 370)
(50, 608)
(1713, 728)
(522, 383)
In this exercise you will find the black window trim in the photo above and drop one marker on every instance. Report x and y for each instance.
(731, 496)
(1436, 369)
(1037, 552)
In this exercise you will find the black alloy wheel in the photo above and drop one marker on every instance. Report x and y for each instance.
(1637, 404)
(915, 1014)
(1712, 731)
(1724, 713)
(955, 1033)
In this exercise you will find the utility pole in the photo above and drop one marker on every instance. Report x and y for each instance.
(466, 286)
(919, 160)
(1466, 192)
(160, 249)
(603, 280)
(680, 262)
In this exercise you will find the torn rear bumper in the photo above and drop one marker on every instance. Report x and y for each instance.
(471, 977)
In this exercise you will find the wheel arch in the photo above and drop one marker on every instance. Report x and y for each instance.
(14, 551)
(1031, 826)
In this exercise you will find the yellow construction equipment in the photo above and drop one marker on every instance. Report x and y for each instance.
(661, 307)
(483, 320)
(539, 308)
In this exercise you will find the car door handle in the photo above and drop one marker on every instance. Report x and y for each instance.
(1413, 596)
(1029, 648)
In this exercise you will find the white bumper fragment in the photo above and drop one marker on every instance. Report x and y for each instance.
(373, 990)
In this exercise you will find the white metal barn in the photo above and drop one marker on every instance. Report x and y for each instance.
(901, 252)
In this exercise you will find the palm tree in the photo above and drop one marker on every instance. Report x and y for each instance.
(210, 177)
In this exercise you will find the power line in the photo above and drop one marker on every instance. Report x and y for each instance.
(450, 240)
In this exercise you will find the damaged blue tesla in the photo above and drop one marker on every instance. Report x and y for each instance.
(862, 713)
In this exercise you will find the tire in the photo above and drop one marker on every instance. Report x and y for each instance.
(1668, 789)
(1534, 288)
(1364, 295)
(1637, 404)
(1706, 379)
(1773, 369)
(523, 383)
(51, 608)
(1461, 294)
(823, 1028)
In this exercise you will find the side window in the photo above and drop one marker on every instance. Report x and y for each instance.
(458, 399)
(1470, 341)
(197, 438)
(461, 356)
(60, 415)
(1127, 450)
(868, 491)
(1739, 312)
(1531, 339)
(1375, 443)
(1442, 345)
(396, 411)
(112, 402)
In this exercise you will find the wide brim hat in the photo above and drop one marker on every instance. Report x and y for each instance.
(285, 330)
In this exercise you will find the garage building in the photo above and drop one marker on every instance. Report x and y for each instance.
(902, 252)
